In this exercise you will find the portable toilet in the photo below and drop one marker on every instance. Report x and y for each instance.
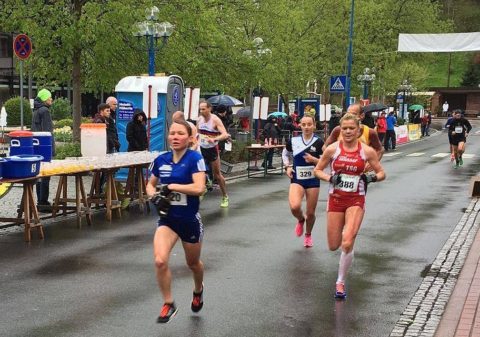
(159, 97)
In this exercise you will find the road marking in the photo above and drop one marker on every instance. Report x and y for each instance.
(441, 155)
(415, 154)
(468, 156)
(391, 154)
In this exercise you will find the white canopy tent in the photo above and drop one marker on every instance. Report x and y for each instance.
(438, 43)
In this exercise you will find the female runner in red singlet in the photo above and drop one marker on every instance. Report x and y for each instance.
(348, 186)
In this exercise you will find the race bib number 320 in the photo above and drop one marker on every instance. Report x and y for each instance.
(348, 184)
(304, 172)
(178, 199)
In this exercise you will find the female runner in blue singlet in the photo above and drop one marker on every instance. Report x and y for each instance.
(300, 157)
(181, 172)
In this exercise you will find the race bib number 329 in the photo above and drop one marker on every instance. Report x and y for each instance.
(304, 172)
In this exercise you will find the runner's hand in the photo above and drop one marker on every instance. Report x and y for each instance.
(289, 172)
(309, 158)
(369, 177)
(162, 204)
(336, 179)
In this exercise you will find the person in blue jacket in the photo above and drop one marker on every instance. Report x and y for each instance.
(181, 172)
(390, 136)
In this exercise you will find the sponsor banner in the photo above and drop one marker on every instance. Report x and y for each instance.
(414, 132)
(402, 134)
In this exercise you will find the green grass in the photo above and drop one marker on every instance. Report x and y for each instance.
(438, 70)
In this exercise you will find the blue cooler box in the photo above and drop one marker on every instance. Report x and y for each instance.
(42, 145)
(21, 166)
(2, 162)
(21, 142)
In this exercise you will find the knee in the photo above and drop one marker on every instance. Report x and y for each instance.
(161, 264)
(295, 208)
(195, 265)
(333, 247)
(310, 215)
(347, 245)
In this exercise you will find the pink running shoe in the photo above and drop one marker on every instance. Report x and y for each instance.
(307, 242)
(299, 228)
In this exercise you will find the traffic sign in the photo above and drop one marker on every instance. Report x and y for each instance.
(22, 46)
(338, 83)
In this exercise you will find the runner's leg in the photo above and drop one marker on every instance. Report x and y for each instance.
(192, 256)
(312, 200)
(295, 196)
(335, 224)
(215, 167)
(163, 243)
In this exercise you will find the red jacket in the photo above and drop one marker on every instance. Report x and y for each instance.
(381, 125)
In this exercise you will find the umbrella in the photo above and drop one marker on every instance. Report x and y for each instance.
(244, 112)
(374, 107)
(277, 114)
(224, 100)
(415, 107)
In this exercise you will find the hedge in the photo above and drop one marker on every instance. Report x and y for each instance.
(13, 112)
(61, 109)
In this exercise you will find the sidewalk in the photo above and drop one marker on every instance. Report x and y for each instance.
(462, 317)
(446, 302)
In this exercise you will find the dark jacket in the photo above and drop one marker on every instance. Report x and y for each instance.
(368, 120)
(113, 145)
(42, 120)
(272, 130)
(137, 133)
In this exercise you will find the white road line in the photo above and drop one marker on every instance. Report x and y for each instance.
(468, 156)
(391, 154)
(415, 154)
(441, 155)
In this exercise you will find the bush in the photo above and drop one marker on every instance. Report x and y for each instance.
(400, 121)
(63, 122)
(61, 109)
(68, 150)
(63, 134)
(13, 112)
(238, 153)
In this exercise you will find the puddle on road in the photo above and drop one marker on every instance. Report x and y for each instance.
(425, 270)
(66, 265)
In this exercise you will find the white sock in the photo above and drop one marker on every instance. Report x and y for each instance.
(345, 263)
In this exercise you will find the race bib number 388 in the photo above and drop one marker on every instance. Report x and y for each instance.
(304, 172)
(348, 184)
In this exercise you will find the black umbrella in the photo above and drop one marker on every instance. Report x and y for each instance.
(244, 112)
(224, 100)
(374, 107)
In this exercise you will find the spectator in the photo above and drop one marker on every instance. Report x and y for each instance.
(368, 120)
(445, 107)
(112, 103)
(103, 116)
(244, 123)
(42, 121)
(137, 132)
(390, 136)
(429, 115)
(288, 128)
(333, 122)
(424, 125)
(382, 126)
(272, 135)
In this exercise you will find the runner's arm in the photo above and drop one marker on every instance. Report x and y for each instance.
(151, 188)
(223, 132)
(374, 163)
(287, 157)
(196, 188)
(323, 162)
(468, 125)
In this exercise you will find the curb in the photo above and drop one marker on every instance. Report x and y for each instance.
(422, 315)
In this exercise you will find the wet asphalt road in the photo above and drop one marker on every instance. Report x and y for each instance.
(259, 279)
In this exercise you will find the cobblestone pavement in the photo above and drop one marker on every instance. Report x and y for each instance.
(422, 315)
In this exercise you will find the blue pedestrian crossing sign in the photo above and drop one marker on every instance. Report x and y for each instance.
(338, 83)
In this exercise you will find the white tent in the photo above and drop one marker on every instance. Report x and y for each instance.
(437, 43)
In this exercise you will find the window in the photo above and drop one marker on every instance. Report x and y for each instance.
(4, 47)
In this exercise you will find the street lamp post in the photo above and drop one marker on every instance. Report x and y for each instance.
(366, 78)
(405, 87)
(152, 31)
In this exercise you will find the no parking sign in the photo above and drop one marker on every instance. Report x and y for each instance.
(22, 46)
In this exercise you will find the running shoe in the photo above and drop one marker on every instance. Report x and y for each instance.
(209, 185)
(299, 228)
(340, 292)
(197, 302)
(307, 242)
(452, 157)
(169, 310)
(224, 203)
(460, 161)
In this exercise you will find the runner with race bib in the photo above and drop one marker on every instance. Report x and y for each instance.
(458, 129)
(181, 172)
(347, 159)
(300, 157)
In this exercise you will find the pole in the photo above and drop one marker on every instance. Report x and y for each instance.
(149, 114)
(350, 57)
(151, 56)
(449, 64)
(365, 89)
(21, 95)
